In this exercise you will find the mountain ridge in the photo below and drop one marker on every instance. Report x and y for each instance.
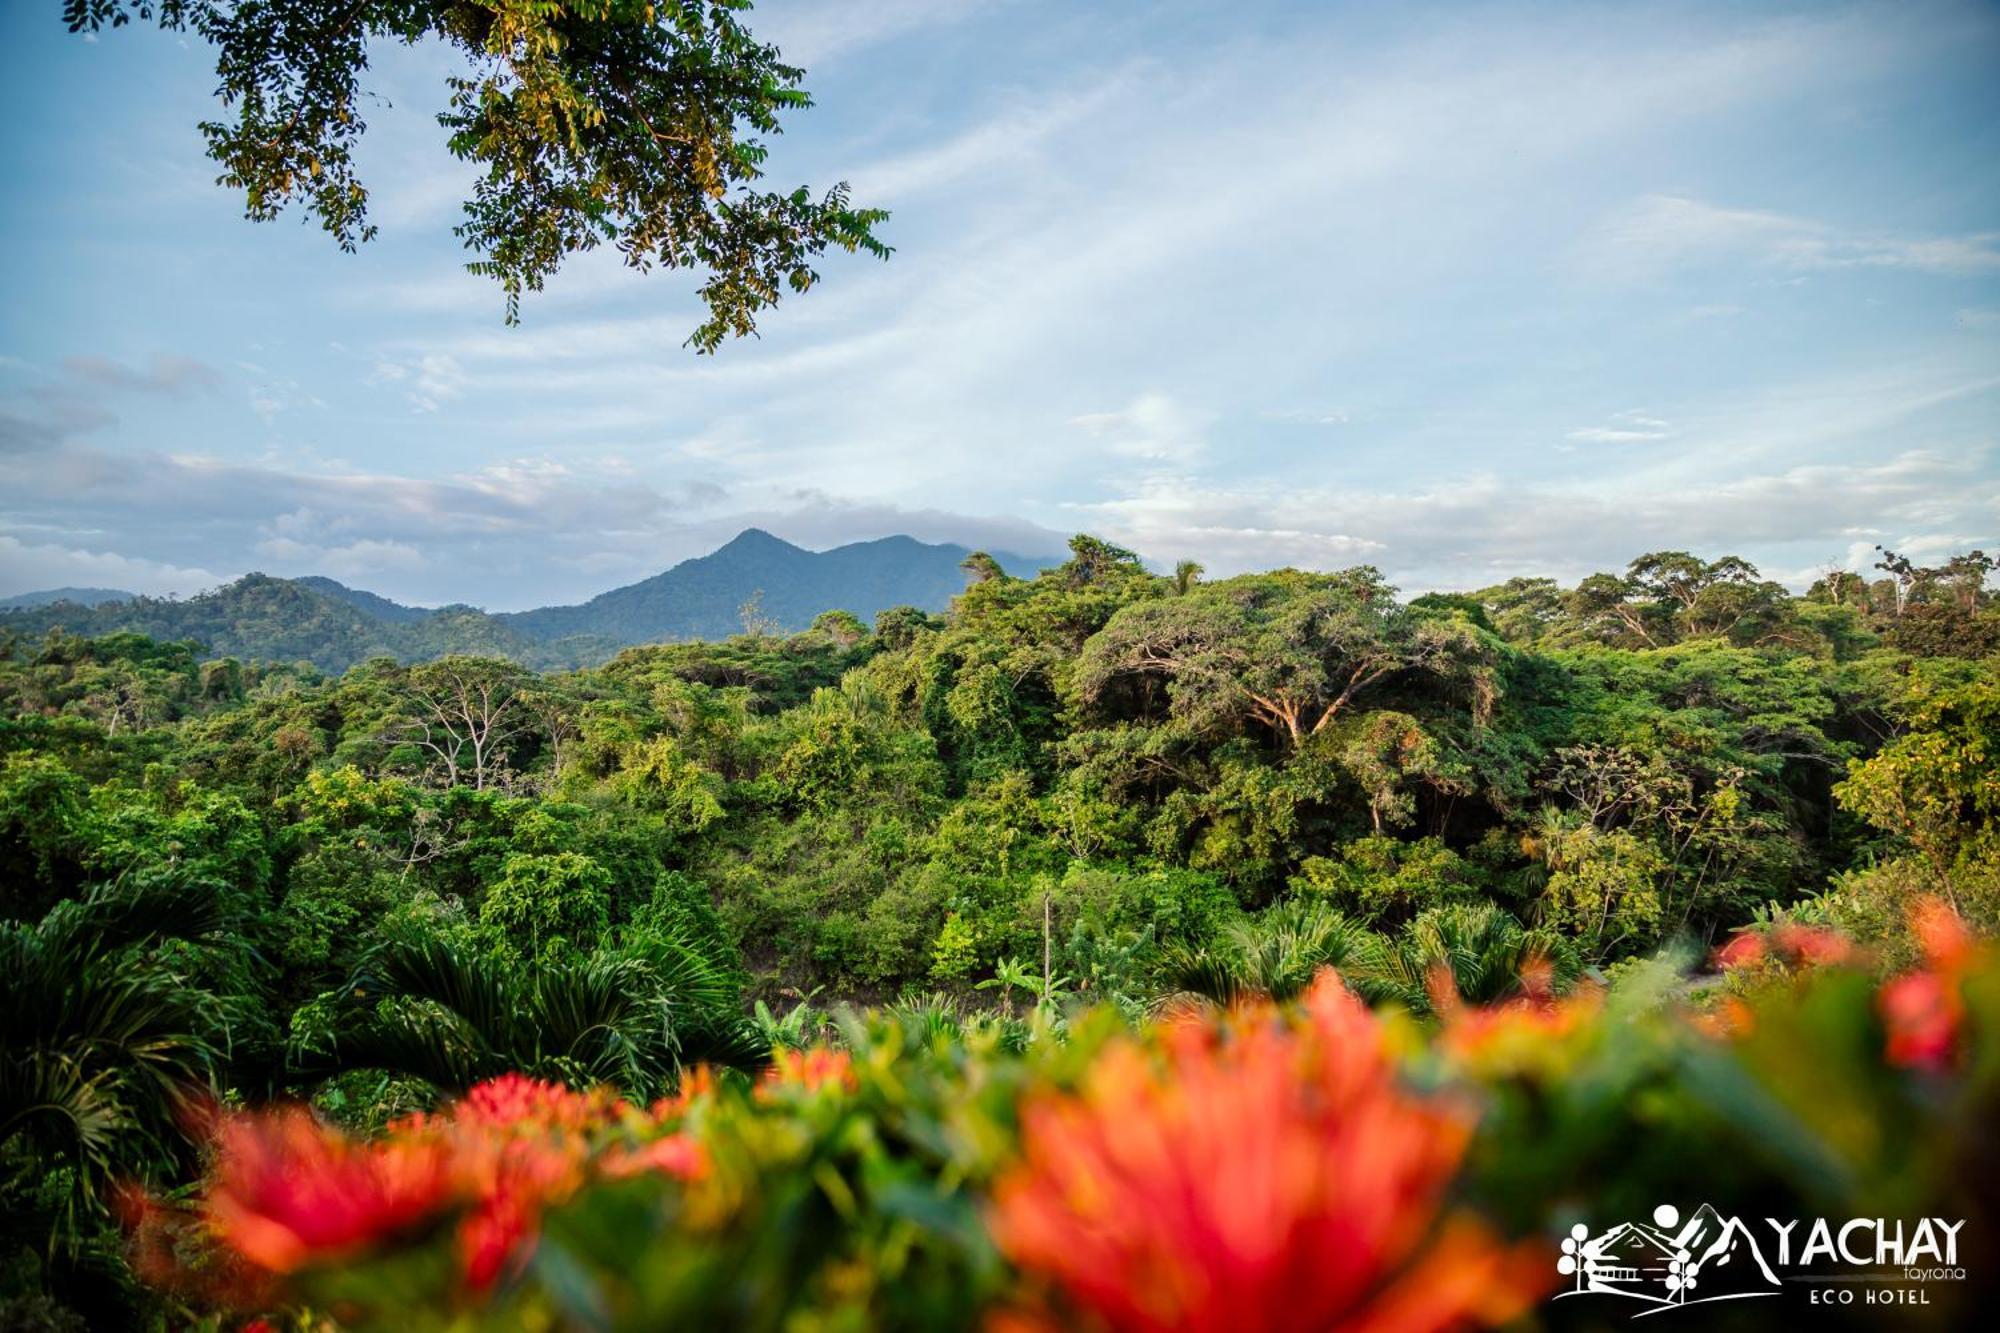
(23, 601)
(317, 619)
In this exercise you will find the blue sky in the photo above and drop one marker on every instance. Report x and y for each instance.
(1458, 290)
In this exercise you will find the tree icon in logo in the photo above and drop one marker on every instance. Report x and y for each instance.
(1667, 1262)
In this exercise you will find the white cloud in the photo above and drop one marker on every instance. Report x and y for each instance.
(1660, 232)
(37, 566)
(1482, 528)
(1152, 426)
(1625, 428)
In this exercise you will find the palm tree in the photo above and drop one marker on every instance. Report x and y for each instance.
(633, 1015)
(1186, 574)
(1476, 953)
(104, 1051)
(1274, 955)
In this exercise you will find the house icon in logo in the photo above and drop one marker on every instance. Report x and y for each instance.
(1668, 1263)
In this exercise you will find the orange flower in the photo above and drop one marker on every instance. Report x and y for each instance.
(287, 1189)
(1730, 1018)
(1948, 946)
(811, 1069)
(695, 1084)
(1266, 1174)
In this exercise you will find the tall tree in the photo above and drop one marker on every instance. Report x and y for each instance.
(463, 711)
(1289, 651)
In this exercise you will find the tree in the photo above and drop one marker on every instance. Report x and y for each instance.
(434, 1008)
(1275, 955)
(633, 122)
(843, 628)
(1186, 574)
(548, 905)
(463, 711)
(1470, 953)
(980, 567)
(103, 1053)
(1288, 651)
(1092, 559)
(1935, 786)
(1384, 752)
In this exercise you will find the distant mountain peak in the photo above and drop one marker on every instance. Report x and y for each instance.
(268, 618)
(751, 539)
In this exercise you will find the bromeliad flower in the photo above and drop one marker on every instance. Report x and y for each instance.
(1266, 1173)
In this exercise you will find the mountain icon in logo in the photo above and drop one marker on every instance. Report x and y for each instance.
(1669, 1263)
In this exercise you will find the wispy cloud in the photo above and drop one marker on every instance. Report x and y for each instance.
(1625, 428)
(1660, 232)
(1152, 426)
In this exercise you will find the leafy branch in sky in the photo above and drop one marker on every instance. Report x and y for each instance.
(625, 122)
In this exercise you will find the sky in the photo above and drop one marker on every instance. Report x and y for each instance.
(1459, 290)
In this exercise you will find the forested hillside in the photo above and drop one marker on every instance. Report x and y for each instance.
(1097, 786)
(756, 581)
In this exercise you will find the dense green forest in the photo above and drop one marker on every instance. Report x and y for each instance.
(1098, 786)
(754, 582)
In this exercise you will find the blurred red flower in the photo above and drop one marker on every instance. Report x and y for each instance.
(1745, 949)
(1812, 946)
(288, 1189)
(1923, 1010)
(1265, 1173)
(1788, 942)
(674, 1155)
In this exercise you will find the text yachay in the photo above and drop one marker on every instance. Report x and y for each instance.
(1871, 1240)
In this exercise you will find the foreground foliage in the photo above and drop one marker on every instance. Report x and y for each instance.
(1206, 1172)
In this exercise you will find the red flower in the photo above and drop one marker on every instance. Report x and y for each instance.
(1922, 1012)
(288, 1190)
(1813, 946)
(1745, 949)
(515, 1099)
(1267, 1175)
(1788, 942)
(675, 1155)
